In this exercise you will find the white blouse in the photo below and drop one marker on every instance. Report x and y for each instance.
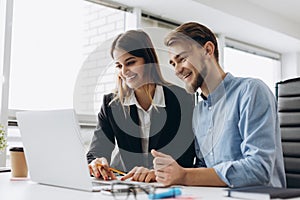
(145, 122)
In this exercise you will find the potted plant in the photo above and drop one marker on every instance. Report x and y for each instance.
(3, 144)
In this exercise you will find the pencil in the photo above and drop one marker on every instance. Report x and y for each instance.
(114, 170)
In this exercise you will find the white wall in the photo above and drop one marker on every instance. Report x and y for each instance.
(5, 39)
(290, 65)
(157, 34)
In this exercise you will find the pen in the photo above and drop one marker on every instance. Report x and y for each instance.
(172, 192)
(114, 170)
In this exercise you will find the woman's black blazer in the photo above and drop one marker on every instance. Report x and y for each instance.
(170, 131)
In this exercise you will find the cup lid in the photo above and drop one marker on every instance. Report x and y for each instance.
(19, 149)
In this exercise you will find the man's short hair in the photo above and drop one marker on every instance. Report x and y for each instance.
(193, 32)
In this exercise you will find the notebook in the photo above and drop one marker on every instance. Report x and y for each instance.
(54, 149)
(263, 192)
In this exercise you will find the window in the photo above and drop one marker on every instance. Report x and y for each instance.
(53, 63)
(50, 52)
(248, 63)
(46, 53)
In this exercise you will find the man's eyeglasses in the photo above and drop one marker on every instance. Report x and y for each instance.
(122, 190)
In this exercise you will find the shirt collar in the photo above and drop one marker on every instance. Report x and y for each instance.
(220, 91)
(158, 99)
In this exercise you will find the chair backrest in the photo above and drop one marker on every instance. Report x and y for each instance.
(288, 97)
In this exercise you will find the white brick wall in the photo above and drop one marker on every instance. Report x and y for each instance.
(96, 76)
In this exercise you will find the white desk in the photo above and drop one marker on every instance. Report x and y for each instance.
(28, 190)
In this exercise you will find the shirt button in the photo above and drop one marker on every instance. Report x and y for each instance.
(209, 108)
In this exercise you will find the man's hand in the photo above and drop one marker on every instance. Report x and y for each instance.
(167, 170)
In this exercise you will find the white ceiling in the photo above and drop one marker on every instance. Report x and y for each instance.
(288, 9)
(271, 24)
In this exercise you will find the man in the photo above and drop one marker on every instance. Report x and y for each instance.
(236, 127)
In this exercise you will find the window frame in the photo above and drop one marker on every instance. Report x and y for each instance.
(249, 48)
(252, 49)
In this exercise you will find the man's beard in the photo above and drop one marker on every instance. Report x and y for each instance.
(192, 88)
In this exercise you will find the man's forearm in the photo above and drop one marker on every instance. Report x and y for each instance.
(201, 177)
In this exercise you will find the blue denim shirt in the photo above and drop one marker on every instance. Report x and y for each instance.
(237, 133)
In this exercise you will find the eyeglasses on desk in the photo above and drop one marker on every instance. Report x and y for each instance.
(122, 191)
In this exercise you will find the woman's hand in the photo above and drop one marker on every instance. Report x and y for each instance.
(140, 174)
(99, 167)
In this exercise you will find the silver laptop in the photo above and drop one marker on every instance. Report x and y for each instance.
(54, 149)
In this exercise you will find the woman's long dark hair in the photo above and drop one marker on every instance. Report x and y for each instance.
(139, 44)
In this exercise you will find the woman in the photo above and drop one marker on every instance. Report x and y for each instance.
(145, 112)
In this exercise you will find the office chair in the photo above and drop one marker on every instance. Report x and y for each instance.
(288, 98)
